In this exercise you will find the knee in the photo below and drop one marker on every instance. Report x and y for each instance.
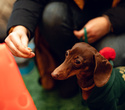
(117, 43)
(122, 63)
(54, 14)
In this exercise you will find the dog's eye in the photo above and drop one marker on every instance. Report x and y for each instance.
(77, 61)
(67, 53)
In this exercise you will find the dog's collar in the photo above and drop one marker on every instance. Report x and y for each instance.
(88, 88)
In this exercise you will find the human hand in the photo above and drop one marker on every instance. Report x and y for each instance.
(17, 41)
(96, 28)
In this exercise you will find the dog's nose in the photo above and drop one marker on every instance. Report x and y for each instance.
(55, 76)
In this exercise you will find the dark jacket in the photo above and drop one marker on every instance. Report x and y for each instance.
(28, 13)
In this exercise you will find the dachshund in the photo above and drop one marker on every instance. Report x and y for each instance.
(96, 77)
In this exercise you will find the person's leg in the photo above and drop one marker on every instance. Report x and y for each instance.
(57, 29)
(116, 42)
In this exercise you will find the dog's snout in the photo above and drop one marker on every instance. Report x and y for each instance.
(58, 76)
(60, 73)
(55, 76)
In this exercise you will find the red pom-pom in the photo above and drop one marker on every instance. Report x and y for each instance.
(108, 52)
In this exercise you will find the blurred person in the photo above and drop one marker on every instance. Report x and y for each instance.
(62, 23)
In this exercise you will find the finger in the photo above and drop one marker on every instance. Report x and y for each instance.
(91, 38)
(16, 52)
(29, 49)
(33, 54)
(24, 40)
(18, 44)
(79, 34)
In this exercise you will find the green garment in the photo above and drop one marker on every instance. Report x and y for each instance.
(110, 95)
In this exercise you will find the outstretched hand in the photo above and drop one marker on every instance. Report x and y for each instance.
(96, 28)
(17, 41)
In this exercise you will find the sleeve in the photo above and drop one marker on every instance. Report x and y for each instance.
(26, 13)
(117, 18)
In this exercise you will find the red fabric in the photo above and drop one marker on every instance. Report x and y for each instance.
(108, 52)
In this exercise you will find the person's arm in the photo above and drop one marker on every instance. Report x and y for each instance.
(23, 20)
(112, 20)
(95, 28)
(117, 17)
(26, 13)
(17, 41)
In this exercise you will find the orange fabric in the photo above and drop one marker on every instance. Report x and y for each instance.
(80, 3)
(115, 2)
(13, 92)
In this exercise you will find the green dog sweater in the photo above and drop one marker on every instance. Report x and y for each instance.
(111, 94)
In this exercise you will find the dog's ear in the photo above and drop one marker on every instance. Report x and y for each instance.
(102, 71)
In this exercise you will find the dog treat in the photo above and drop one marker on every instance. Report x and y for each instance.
(29, 49)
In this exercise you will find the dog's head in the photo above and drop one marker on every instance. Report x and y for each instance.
(82, 59)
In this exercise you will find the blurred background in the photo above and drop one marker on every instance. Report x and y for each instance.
(25, 65)
(5, 11)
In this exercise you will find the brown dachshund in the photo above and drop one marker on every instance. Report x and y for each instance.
(87, 64)
(102, 85)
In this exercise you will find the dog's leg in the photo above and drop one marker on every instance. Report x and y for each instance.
(45, 62)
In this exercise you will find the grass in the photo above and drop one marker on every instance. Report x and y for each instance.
(50, 100)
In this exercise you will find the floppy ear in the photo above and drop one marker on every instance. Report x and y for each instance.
(103, 70)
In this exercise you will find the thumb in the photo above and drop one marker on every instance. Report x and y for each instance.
(24, 40)
(79, 33)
